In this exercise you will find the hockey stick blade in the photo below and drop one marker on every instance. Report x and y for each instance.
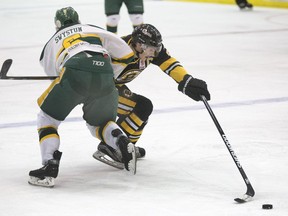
(244, 199)
(247, 196)
(5, 68)
(250, 191)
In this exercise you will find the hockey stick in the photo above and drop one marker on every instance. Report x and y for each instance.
(250, 191)
(6, 66)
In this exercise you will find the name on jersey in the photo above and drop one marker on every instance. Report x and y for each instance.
(67, 33)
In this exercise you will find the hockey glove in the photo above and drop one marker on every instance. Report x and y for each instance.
(194, 88)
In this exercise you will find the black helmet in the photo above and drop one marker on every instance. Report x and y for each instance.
(66, 16)
(147, 34)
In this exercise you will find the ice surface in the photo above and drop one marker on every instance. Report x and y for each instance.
(243, 56)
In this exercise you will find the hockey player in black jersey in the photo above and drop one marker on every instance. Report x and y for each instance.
(134, 109)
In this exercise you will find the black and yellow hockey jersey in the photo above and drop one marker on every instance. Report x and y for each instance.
(167, 63)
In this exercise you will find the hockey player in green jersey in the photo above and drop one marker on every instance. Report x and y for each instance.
(85, 58)
(135, 10)
(134, 109)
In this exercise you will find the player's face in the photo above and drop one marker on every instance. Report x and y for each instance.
(149, 51)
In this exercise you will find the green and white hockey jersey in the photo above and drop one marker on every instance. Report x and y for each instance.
(74, 39)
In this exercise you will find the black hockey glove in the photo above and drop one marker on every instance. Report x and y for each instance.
(194, 88)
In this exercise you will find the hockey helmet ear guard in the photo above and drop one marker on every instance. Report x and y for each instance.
(66, 16)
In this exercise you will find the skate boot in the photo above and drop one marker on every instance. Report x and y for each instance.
(113, 157)
(45, 176)
(140, 152)
(249, 6)
(244, 5)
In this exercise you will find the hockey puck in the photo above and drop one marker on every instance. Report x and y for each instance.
(267, 206)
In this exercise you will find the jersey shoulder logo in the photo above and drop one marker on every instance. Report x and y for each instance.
(127, 76)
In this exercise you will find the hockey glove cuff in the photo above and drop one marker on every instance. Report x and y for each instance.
(193, 88)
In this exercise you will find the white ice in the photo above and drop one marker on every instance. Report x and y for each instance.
(243, 56)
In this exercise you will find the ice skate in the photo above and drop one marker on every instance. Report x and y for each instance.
(244, 5)
(109, 156)
(46, 175)
(112, 157)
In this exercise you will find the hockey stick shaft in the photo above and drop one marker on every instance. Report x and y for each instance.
(29, 77)
(250, 190)
(6, 66)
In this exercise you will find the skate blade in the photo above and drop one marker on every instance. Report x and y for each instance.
(46, 182)
(107, 160)
(132, 164)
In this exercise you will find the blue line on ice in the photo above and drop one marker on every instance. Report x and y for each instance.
(168, 110)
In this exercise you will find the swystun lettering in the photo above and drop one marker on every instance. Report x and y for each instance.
(67, 33)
